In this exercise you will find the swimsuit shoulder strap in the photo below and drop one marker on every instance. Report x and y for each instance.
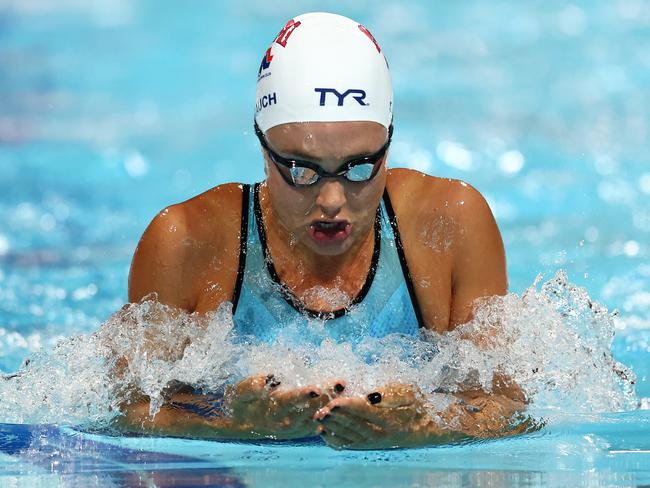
(389, 213)
(243, 244)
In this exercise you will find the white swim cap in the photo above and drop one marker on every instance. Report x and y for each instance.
(323, 67)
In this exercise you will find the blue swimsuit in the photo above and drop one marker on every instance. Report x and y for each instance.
(263, 306)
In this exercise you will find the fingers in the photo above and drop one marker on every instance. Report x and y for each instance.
(393, 396)
(337, 441)
(336, 388)
(271, 381)
(260, 400)
(293, 427)
(301, 400)
(295, 408)
(354, 428)
(389, 406)
(341, 428)
(301, 427)
(357, 411)
(255, 387)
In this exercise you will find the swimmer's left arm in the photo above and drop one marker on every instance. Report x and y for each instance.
(478, 264)
(396, 416)
(479, 260)
(479, 271)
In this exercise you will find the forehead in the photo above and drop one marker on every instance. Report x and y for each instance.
(327, 140)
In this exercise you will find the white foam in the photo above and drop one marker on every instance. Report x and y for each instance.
(554, 341)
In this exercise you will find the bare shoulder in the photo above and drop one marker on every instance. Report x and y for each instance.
(201, 218)
(212, 210)
(452, 243)
(180, 239)
(419, 197)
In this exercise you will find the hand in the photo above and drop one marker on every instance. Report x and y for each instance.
(395, 416)
(483, 415)
(390, 417)
(259, 408)
(254, 408)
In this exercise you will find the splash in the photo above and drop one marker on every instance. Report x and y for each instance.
(553, 341)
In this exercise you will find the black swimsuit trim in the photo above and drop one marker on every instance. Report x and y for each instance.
(243, 240)
(286, 292)
(402, 259)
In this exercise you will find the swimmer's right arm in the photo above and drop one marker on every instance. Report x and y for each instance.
(158, 272)
(182, 245)
(254, 408)
(170, 421)
(175, 421)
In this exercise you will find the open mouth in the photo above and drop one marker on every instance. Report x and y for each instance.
(330, 231)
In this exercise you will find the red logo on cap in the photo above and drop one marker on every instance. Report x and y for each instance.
(286, 32)
(266, 61)
(370, 36)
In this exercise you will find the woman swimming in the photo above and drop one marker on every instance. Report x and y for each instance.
(330, 234)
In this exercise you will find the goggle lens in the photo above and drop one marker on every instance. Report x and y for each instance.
(307, 173)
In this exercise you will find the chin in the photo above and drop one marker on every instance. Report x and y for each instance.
(328, 248)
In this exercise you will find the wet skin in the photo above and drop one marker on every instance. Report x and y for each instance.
(189, 254)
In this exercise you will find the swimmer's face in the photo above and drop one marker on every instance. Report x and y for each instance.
(333, 214)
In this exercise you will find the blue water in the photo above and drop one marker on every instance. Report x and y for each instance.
(111, 110)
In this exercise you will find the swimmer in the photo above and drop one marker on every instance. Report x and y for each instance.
(403, 250)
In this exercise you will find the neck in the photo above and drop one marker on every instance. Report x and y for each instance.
(292, 256)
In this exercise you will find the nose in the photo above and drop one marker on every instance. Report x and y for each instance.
(331, 197)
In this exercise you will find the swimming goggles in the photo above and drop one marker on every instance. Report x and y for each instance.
(305, 173)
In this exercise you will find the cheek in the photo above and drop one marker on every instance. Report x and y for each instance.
(289, 204)
(367, 197)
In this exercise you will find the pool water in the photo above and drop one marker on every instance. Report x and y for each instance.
(559, 456)
(110, 110)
